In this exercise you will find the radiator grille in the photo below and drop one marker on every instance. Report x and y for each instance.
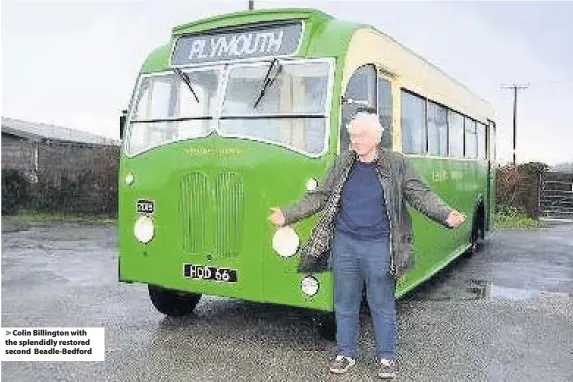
(213, 214)
(229, 196)
(195, 206)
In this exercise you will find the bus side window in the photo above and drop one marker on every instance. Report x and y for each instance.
(385, 111)
(491, 149)
(360, 92)
(481, 137)
(413, 121)
(471, 141)
(456, 134)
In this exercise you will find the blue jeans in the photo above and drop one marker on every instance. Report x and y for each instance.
(355, 263)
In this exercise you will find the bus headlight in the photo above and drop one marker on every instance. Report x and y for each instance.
(311, 184)
(285, 241)
(144, 229)
(309, 286)
(129, 179)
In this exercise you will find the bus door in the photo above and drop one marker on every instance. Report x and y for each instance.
(360, 93)
(368, 87)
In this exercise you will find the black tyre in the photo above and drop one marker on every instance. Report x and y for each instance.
(173, 303)
(327, 326)
(476, 236)
(473, 241)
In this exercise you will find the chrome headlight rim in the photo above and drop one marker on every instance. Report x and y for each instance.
(144, 229)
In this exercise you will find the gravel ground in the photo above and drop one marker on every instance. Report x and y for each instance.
(503, 315)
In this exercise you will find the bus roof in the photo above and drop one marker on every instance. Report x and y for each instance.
(324, 36)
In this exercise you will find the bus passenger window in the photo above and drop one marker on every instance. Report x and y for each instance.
(470, 138)
(437, 130)
(360, 92)
(481, 141)
(385, 111)
(491, 148)
(413, 124)
(456, 134)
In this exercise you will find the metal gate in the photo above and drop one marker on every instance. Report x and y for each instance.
(556, 196)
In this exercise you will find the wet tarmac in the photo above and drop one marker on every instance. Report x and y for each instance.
(505, 314)
(513, 265)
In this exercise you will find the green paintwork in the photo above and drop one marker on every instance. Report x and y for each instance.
(460, 183)
(212, 195)
(249, 167)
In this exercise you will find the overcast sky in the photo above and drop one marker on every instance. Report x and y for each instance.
(74, 63)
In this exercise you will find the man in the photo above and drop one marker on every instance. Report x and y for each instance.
(365, 234)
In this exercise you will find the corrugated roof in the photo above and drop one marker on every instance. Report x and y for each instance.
(39, 131)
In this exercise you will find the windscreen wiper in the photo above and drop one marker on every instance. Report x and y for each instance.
(185, 78)
(268, 81)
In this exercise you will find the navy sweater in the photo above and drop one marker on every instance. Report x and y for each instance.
(363, 210)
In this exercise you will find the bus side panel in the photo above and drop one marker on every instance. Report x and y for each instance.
(459, 183)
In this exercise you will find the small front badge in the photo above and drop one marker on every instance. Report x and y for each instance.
(145, 206)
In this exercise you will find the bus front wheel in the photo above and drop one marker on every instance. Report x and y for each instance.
(171, 302)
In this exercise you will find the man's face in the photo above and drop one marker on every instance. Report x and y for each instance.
(363, 139)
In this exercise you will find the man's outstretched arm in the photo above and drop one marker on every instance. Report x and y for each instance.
(312, 202)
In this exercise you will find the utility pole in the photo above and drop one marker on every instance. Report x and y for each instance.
(251, 5)
(515, 88)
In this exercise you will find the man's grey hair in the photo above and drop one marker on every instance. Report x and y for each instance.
(370, 120)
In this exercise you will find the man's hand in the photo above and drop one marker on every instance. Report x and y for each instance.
(455, 219)
(277, 217)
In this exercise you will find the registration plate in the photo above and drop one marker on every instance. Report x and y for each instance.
(201, 272)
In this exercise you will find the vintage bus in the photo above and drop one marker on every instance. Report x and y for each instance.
(245, 111)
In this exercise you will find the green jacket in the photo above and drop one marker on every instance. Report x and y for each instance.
(401, 183)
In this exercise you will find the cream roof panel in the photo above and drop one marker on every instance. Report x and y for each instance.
(413, 73)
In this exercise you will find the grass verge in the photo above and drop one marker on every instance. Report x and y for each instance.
(515, 220)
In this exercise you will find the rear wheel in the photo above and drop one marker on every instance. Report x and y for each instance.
(474, 238)
(477, 233)
(171, 302)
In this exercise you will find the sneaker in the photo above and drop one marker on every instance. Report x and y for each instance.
(341, 364)
(387, 369)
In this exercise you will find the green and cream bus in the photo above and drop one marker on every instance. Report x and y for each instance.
(245, 111)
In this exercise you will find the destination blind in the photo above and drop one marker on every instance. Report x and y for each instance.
(264, 41)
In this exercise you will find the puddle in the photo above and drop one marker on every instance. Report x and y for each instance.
(504, 293)
(478, 289)
(482, 289)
